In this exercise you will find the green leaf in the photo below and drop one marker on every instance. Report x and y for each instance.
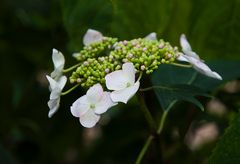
(169, 95)
(227, 149)
(229, 70)
(215, 28)
(176, 80)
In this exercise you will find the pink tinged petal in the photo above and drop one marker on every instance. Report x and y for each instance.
(58, 59)
(151, 36)
(89, 119)
(104, 104)
(94, 93)
(80, 106)
(125, 94)
(116, 80)
(129, 71)
(53, 105)
(92, 36)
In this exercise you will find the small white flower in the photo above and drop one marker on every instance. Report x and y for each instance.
(58, 62)
(56, 88)
(92, 36)
(122, 82)
(151, 36)
(89, 107)
(194, 59)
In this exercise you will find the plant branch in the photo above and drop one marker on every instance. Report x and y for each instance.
(144, 149)
(70, 90)
(146, 112)
(71, 68)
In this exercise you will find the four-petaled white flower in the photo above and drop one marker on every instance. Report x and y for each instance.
(151, 36)
(92, 36)
(122, 82)
(89, 107)
(58, 62)
(194, 60)
(56, 89)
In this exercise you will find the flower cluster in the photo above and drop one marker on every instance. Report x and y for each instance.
(99, 58)
(108, 68)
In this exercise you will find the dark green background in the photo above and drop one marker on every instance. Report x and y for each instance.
(29, 29)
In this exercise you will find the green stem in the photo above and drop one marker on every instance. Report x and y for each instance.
(70, 90)
(162, 121)
(71, 68)
(182, 65)
(150, 138)
(140, 76)
(144, 149)
(152, 87)
(146, 112)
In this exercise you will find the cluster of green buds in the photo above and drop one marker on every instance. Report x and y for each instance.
(96, 49)
(145, 54)
(107, 55)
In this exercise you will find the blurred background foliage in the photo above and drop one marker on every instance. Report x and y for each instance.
(29, 29)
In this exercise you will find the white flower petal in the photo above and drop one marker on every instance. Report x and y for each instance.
(92, 36)
(53, 105)
(202, 68)
(58, 62)
(58, 59)
(62, 82)
(184, 43)
(104, 104)
(151, 36)
(80, 106)
(116, 80)
(214, 75)
(55, 93)
(89, 119)
(53, 84)
(125, 94)
(57, 73)
(129, 71)
(182, 58)
(186, 48)
(94, 93)
(192, 54)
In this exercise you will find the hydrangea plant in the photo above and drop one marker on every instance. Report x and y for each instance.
(111, 71)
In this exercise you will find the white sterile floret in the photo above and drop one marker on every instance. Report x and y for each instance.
(56, 88)
(58, 62)
(92, 36)
(89, 107)
(151, 36)
(194, 60)
(123, 84)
